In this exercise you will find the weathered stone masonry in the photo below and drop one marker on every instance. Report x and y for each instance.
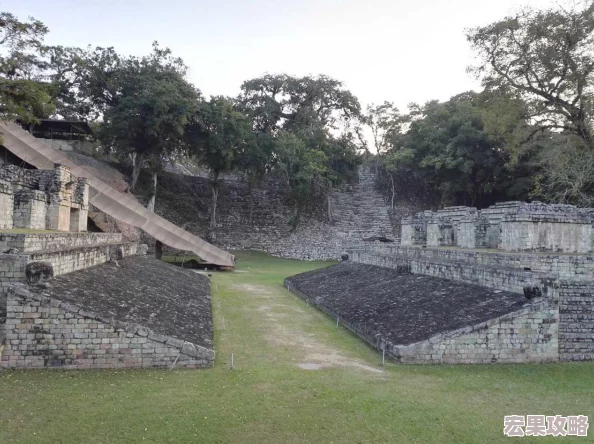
(543, 252)
(43, 199)
(45, 332)
(528, 335)
(402, 319)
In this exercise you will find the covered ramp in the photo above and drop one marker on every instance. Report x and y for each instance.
(105, 198)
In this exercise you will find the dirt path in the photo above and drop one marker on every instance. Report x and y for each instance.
(287, 326)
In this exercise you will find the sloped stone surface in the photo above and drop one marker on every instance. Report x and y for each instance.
(401, 308)
(141, 290)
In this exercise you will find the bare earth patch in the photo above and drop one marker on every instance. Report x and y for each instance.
(285, 324)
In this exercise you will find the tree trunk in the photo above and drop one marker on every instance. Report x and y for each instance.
(393, 191)
(330, 219)
(158, 250)
(137, 161)
(151, 202)
(214, 183)
(251, 197)
(297, 217)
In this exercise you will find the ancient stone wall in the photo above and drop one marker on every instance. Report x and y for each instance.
(509, 226)
(55, 241)
(358, 212)
(556, 266)
(443, 225)
(30, 209)
(44, 332)
(513, 280)
(576, 320)
(528, 335)
(45, 199)
(13, 266)
(414, 229)
(6, 205)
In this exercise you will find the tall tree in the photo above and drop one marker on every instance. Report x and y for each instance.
(215, 136)
(254, 159)
(383, 120)
(25, 94)
(291, 103)
(446, 151)
(145, 104)
(320, 113)
(301, 166)
(546, 57)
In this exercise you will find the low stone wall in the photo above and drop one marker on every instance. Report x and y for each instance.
(528, 335)
(513, 280)
(13, 266)
(557, 266)
(576, 320)
(44, 332)
(67, 261)
(55, 241)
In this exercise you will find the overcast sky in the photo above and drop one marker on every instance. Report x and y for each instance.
(396, 50)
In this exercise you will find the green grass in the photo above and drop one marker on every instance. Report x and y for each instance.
(269, 399)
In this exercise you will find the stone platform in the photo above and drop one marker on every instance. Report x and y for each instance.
(66, 252)
(427, 320)
(491, 268)
(140, 312)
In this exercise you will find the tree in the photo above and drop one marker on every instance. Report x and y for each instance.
(24, 93)
(254, 159)
(320, 113)
(290, 103)
(546, 57)
(301, 166)
(445, 150)
(567, 170)
(145, 104)
(215, 136)
(383, 120)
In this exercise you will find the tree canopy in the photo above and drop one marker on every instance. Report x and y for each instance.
(25, 92)
(527, 134)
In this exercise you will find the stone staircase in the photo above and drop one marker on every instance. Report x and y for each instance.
(359, 210)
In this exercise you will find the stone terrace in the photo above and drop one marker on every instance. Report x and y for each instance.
(139, 313)
(426, 320)
(400, 308)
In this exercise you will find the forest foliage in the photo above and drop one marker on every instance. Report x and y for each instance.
(526, 135)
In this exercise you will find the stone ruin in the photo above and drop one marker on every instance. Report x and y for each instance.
(511, 283)
(43, 199)
(507, 226)
(76, 300)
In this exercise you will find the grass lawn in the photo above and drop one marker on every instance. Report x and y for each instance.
(269, 398)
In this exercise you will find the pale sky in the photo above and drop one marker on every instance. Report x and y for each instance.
(401, 51)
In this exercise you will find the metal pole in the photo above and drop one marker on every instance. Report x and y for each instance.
(384, 356)
(232, 364)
